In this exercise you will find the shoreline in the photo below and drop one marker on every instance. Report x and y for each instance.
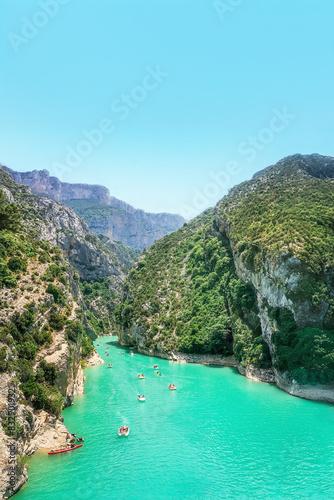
(322, 394)
(47, 433)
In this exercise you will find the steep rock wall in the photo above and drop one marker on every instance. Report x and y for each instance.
(275, 284)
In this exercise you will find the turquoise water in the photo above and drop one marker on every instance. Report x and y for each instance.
(219, 436)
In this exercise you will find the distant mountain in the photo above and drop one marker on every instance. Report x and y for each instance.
(103, 213)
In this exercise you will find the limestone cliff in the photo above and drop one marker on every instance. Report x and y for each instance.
(104, 214)
(280, 230)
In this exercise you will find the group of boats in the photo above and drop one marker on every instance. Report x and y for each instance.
(122, 431)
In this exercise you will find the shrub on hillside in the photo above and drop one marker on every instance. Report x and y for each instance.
(57, 293)
(73, 331)
(17, 264)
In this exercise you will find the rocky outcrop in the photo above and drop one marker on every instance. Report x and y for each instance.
(104, 214)
(94, 360)
(41, 183)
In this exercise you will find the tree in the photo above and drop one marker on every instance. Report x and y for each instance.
(9, 214)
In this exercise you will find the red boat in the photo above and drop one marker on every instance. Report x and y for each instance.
(52, 452)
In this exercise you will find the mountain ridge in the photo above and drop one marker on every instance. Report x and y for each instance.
(104, 213)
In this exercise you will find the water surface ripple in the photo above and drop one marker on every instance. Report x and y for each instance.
(218, 436)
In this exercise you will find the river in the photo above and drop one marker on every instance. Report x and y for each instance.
(218, 436)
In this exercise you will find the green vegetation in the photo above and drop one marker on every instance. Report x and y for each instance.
(9, 214)
(87, 346)
(55, 271)
(185, 296)
(305, 355)
(24, 334)
(74, 331)
(91, 208)
(284, 210)
(57, 294)
(100, 299)
(27, 339)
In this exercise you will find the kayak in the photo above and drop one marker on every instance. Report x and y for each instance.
(52, 452)
(122, 433)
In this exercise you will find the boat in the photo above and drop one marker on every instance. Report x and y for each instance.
(155, 367)
(141, 376)
(80, 439)
(141, 398)
(107, 354)
(110, 365)
(123, 431)
(172, 387)
(131, 353)
(73, 447)
(159, 373)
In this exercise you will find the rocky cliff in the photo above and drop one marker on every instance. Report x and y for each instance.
(280, 227)
(46, 251)
(104, 214)
(254, 279)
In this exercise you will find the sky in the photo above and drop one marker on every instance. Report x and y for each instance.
(168, 103)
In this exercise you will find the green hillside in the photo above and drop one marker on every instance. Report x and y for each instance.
(185, 295)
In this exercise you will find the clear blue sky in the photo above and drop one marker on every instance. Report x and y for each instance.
(234, 68)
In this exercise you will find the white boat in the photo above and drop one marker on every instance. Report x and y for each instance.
(123, 431)
(141, 398)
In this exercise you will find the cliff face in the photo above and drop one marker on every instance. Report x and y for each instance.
(43, 254)
(262, 290)
(104, 214)
(37, 425)
(280, 227)
(41, 183)
(135, 228)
